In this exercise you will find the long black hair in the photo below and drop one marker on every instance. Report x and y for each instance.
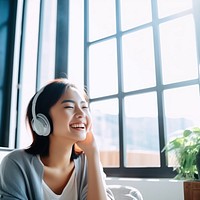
(49, 96)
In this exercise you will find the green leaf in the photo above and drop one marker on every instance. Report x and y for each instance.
(196, 130)
(186, 133)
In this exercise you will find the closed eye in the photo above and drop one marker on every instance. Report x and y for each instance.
(69, 107)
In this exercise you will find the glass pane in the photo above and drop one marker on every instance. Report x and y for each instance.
(48, 42)
(135, 13)
(6, 27)
(101, 18)
(76, 42)
(29, 66)
(169, 7)
(138, 60)
(15, 73)
(141, 136)
(105, 125)
(182, 110)
(178, 50)
(103, 69)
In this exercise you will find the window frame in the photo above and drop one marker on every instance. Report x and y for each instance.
(146, 172)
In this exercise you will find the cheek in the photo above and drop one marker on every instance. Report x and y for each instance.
(57, 124)
(59, 120)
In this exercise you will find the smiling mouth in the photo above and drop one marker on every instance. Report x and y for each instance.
(78, 126)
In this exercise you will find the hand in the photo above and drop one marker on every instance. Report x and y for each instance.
(89, 144)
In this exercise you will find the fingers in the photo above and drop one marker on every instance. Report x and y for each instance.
(89, 128)
(77, 148)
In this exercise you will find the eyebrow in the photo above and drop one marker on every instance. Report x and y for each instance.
(71, 101)
(65, 101)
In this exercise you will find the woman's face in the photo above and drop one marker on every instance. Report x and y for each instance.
(71, 116)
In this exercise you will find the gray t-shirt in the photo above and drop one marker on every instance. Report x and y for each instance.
(21, 176)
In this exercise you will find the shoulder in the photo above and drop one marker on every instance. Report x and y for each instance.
(20, 163)
(20, 157)
(16, 152)
(13, 155)
(27, 172)
(17, 155)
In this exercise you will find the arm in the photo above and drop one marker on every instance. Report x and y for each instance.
(96, 184)
(11, 184)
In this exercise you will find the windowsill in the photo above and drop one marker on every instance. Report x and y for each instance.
(153, 189)
(143, 179)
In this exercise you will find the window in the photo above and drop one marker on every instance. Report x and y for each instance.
(141, 71)
(7, 33)
(139, 61)
(37, 58)
(27, 61)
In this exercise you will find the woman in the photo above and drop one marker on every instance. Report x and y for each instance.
(63, 160)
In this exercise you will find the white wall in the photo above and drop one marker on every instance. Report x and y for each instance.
(153, 189)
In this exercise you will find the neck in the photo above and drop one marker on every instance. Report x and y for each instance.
(59, 154)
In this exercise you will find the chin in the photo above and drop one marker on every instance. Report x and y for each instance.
(82, 138)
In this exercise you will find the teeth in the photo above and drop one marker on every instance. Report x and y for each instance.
(77, 125)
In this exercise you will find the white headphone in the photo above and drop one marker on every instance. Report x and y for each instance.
(40, 123)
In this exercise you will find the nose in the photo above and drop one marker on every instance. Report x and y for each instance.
(80, 113)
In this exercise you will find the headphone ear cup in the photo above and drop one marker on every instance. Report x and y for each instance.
(41, 125)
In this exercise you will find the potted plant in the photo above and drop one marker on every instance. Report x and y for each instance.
(186, 150)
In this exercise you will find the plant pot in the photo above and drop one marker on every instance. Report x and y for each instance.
(198, 164)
